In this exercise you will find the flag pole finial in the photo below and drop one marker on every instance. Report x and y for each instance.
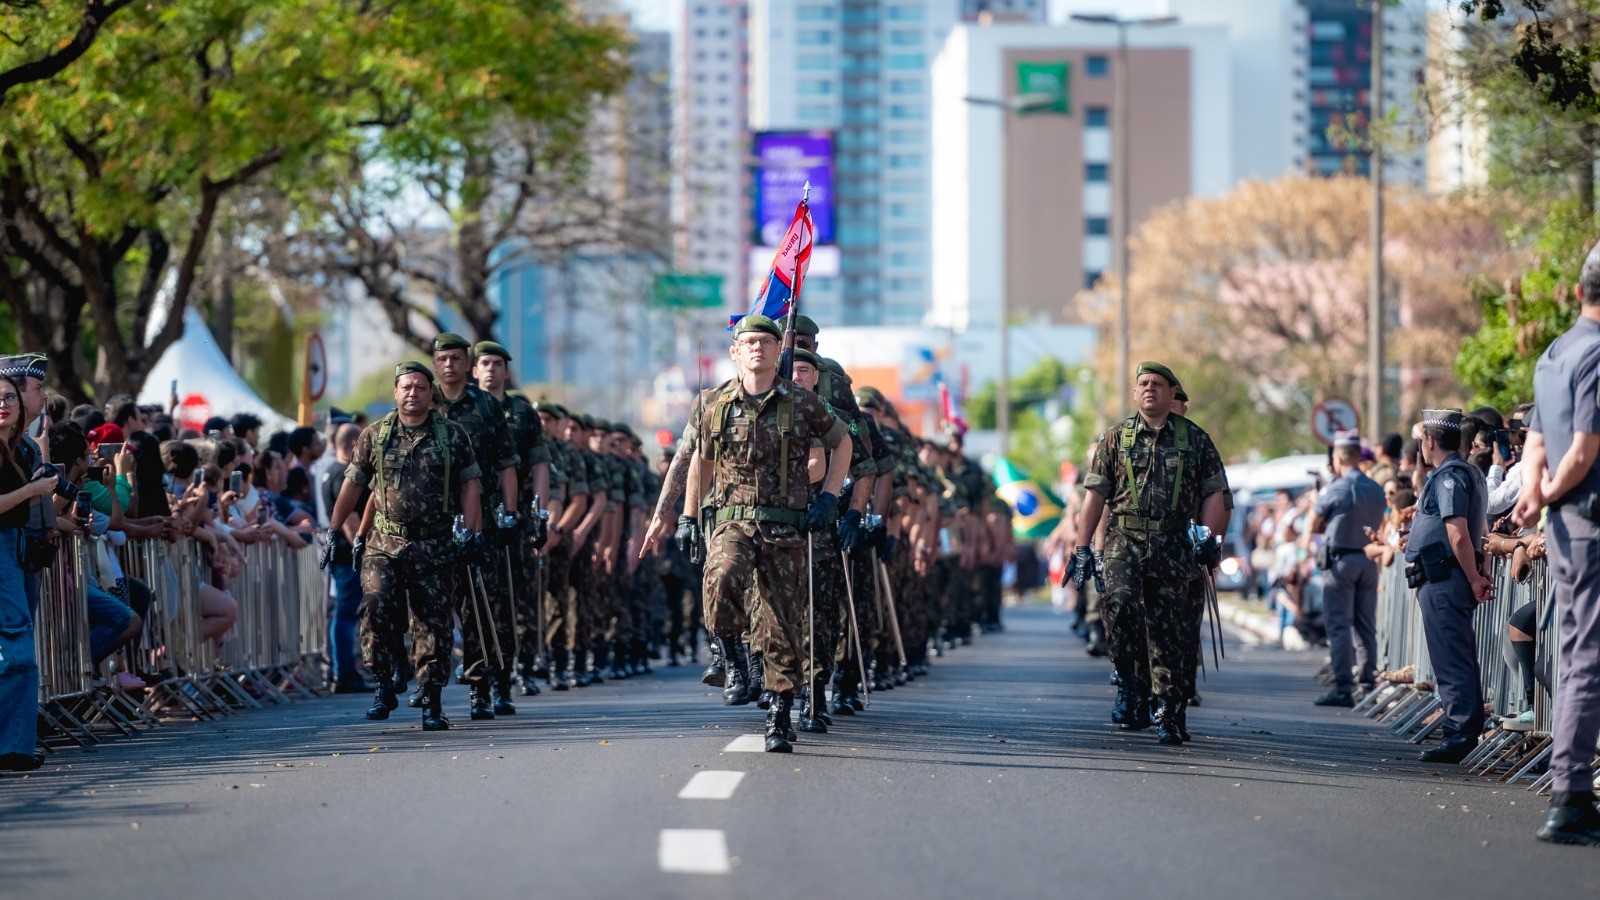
(805, 192)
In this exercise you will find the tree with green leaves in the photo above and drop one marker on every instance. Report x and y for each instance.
(38, 39)
(113, 172)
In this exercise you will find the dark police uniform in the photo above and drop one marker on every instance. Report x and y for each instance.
(1454, 490)
(1350, 505)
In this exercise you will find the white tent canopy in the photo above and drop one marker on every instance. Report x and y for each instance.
(207, 383)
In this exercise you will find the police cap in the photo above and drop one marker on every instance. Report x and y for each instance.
(24, 365)
(1448, 419)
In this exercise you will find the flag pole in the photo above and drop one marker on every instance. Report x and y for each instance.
(786, 358)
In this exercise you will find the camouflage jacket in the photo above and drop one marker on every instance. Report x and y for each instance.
(415, 492)
(741, 436)
(528, 440)
(1169, 480)
(479, 413)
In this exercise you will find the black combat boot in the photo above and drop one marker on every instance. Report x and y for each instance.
(838, 705)
(580, 667)
(1172, 731)
(1572, 819)
(502, 697)
(737, 693)
(642, 652)
(481, 709)
(383, 699)
(756, 675)
(433, 710)
(416, 699)
(779, 734)
(811, 716)
(528, 680)
(716, 674)
(1131, 711)
(398, 682)
(1097, 640)
(559, 673)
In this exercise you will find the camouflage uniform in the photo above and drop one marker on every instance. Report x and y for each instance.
(569, 480)
(755, 552)
(532, 447)
(477, 411)
(1150, 567)
(408, 562)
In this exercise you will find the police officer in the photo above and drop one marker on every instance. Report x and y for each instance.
(1558, 469)
(420, 469)
(523, 567)
(488, 621)
(1445, 564)
(1155, 472)
(752, 454)
(1346, 509)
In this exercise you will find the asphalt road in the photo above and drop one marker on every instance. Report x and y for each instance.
(995, 777)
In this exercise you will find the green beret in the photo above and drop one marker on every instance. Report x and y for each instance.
(619, 428)
(801, 354)
(484, 348)
(1182, 395)
(450, 341)
(833, 366)
(412, 367)
(1155, 368)
(758, 323)
(868, 396)
(553, 408)
(802, 325)
(586, 420)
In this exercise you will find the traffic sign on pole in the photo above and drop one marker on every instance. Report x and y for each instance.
(1332, 416)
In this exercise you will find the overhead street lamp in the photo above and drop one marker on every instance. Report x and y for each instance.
(1021, 103)
(1119, 198)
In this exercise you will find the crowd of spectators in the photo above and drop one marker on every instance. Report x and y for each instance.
(1282, 568)
(128, 471)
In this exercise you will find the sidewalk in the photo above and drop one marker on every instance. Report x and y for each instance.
(1256, 625)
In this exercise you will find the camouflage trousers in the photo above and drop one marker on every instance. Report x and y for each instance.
(754, 576)
(863, 588)
(1150, 614)
(557, 598)
(526, 584)
(683, 605)
(826, 606)
(989, 589)
(488, 617)
(403, 581)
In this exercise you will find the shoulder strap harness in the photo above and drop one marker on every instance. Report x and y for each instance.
(1180, 432)
(386, 432)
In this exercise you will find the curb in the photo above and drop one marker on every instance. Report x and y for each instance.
(1259, 628)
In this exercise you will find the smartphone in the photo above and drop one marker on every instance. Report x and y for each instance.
(236, 482)
(107, 451)
(174, 389)
(97, 474)
(199, 477)
(80, 505)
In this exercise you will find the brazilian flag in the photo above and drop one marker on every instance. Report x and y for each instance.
(1035, 511)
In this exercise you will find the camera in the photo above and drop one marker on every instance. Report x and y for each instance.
(64, 489)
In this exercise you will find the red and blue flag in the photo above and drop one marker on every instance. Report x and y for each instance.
(788, 270)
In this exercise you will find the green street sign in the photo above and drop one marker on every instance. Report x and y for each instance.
(1046, 81)
(691, 290)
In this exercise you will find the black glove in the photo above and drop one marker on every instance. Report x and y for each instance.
(472, 547)
(325, 559)
(538, 530)
(358, 549)
(1208, 552)
(1100, 572)
(889, 543)
(820, 514)
(850, 531)
(1080, 568)
(688, 537)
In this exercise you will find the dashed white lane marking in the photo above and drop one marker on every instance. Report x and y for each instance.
(711, 786)
(696, 851)
(747, 743)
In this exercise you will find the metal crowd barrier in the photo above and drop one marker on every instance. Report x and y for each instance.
(1413, 711)
(272, 654)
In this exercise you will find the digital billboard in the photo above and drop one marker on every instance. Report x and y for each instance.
(785, 161)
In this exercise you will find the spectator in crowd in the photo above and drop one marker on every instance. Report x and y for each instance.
(344, 577)
(247, 428)
(127, 417)
(86, 417)
(1387, 465)
(19, 672)
(218, 429)
(297, 491)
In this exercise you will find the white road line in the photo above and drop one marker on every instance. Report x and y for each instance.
(696, 851)
(711, 786)
(747, 743)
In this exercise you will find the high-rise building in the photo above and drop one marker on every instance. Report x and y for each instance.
(712, 203)
(858, 69)
(1022, 203)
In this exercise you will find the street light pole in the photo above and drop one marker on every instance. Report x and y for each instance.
(1121, 208)
(1375, 239)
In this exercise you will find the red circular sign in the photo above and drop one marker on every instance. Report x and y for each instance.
(193, 412)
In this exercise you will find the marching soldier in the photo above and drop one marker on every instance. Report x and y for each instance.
(751, 458)
(488, 621)
(1155, 472)
(421, 470)
(521, 545)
